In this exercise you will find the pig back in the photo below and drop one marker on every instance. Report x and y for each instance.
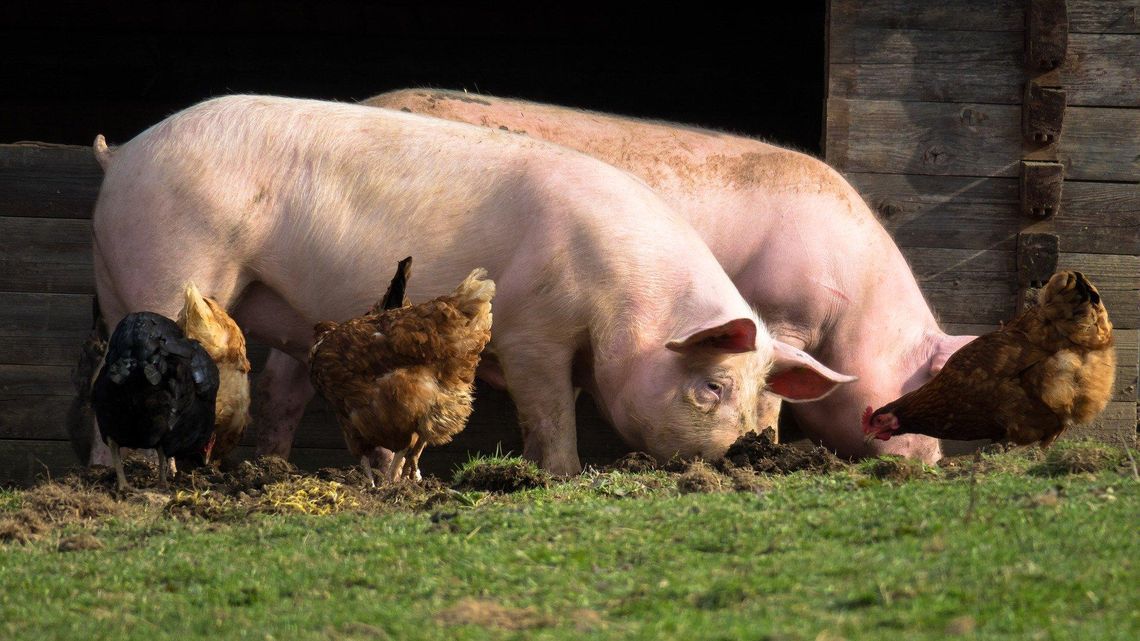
(318, 200)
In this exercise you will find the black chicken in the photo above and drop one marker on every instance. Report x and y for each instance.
(156, 391)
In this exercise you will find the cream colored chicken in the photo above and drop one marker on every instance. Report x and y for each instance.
(204, 320)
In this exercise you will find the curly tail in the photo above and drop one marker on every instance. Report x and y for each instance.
(102, 152)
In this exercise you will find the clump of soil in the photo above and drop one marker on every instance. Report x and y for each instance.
(79, 542)
(404, 494)
(56, 504)
(761, 453)
(701, 478)
(21, 527)
(247, 476)
(502, 475)
(745, 480)
(895, 468)
(488, 614)
(635, 462)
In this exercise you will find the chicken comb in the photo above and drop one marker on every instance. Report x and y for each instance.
(867, 420)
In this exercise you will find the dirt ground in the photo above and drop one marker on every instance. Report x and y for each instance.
(274, 486)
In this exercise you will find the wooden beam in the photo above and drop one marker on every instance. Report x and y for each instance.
(48, 181)
(1085, 16)
(982, 213)
(983, 67)
(947, 139)
(37, 314)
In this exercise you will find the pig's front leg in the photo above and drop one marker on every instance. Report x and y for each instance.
(539, 382)
(283, 391)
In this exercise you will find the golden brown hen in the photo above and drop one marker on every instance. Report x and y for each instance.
(204, 320)
(1050, 367)
(402, 378)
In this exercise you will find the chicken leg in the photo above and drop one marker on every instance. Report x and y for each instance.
(117, 461)
(412, 471)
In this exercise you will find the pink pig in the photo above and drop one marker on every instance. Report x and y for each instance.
(794, 236)
(293, 211)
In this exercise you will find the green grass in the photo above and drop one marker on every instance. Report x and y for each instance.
(621, 556)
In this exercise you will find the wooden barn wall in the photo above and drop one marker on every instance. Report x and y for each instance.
(923, 115)
(47, 193)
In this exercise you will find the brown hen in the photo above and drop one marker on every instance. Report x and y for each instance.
(204, 320)
(402, 378)
(1050, 367)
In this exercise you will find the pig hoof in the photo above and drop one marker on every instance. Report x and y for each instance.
(562, 467)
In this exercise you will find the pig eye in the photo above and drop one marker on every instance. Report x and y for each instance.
(714, 387)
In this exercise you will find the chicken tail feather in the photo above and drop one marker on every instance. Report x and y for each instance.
(397, 295)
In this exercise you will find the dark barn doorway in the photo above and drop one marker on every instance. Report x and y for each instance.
(72, 70)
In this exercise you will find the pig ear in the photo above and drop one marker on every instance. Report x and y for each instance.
(735, 336)
(795, 376)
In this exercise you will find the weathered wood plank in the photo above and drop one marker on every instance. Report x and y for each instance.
(34, 380)
(25, 462)
(982, 213)
(1085, 16)
(1117, 278)
(36, 314)
(966, 286)
(1100, 70)
(45, 239)
(1104, 16)
(947, 139)
(46, 255)
(1125, 388)
(1118, 421)
(61, 350)
(46, 277)
(954, 49)
(926, 66)
(48, 181)
(963, 15)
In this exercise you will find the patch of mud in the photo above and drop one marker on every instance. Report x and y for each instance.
(760, 453)
(501, 476)
(702, 478)
(489, 614)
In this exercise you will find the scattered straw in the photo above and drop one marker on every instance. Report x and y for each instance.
(307, 495)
